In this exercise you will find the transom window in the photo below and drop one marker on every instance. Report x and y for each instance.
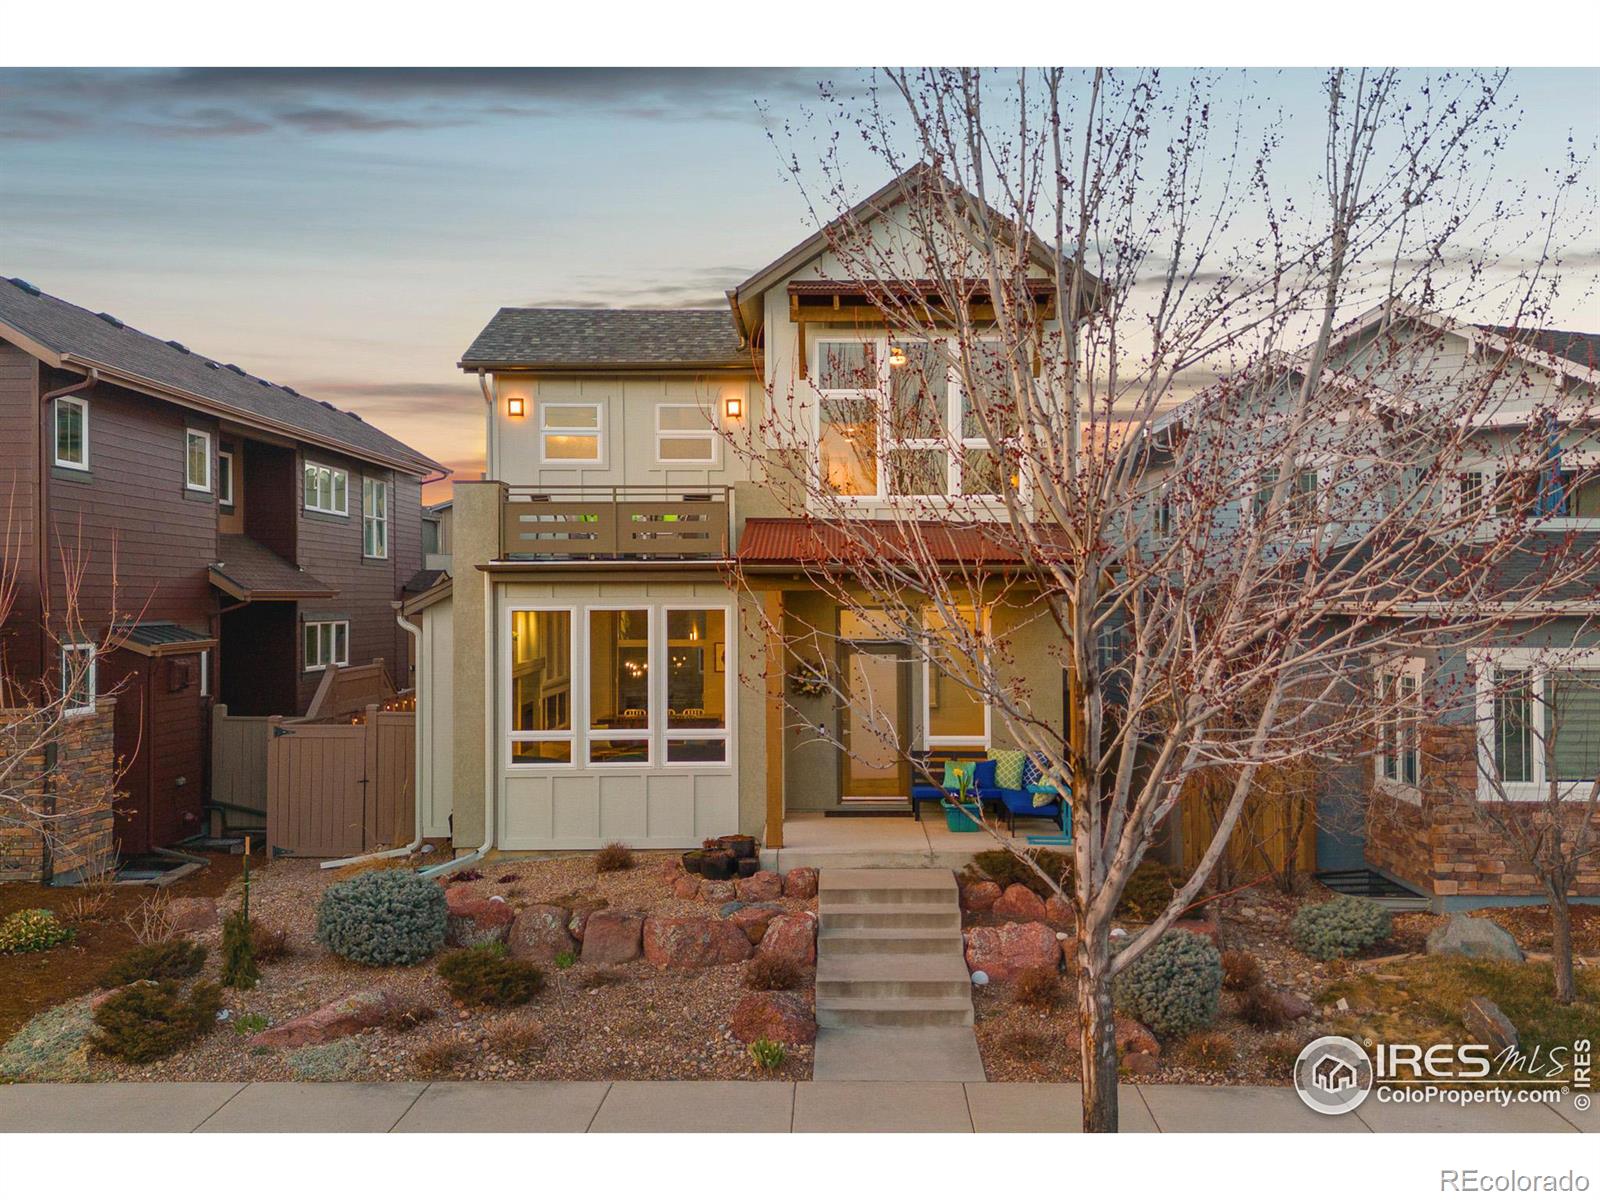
(327, 644)
(197, 461)
(72, 432)
(374, 518)
(571, 433)
(327, 489)
(1400, 705)
(686, 434)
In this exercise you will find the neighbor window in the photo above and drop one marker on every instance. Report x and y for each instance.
(1301, 502)
(326, 490)
(541, 686)
(956, 716)
(225, 477)
(1545, 723)
(72, 432)
(570, 433)
(374, 518)
(1400, 712)
(78, 677)
(327, 644)
(686, 434)
(197, 462)
(619, 686)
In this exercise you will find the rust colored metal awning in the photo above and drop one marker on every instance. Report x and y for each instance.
(798, 542)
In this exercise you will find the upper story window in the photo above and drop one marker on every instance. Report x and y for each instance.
(571, 434)
(1400, 707)
(686, 434)
(327, 644)
(225, 477)
(326, 490)
(1301, 501)
(1542, 724)
(72, 432)
(374, 518)
(197, 461)
(78, 678)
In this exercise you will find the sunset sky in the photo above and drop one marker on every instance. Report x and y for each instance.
(348, 232)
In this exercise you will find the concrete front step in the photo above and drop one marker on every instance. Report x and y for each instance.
(893, 1011)
(889, 941)
(891, 916)
(885, 886)
(889, 975)
(885, 897)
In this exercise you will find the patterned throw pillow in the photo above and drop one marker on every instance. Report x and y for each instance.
(1008, 767)
(1030, 771)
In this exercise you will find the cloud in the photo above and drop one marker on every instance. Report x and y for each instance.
(697, 287)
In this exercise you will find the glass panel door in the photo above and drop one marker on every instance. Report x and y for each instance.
(872, 722)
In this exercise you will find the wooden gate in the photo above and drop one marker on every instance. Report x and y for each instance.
(239, 769)
(338, 790)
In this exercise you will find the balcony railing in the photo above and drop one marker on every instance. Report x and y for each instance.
(619, 522)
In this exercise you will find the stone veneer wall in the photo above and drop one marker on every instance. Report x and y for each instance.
(78, 791)
(1440, 845)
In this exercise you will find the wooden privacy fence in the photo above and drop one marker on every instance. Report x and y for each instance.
(338, 790)
(1276, 830)
(238, 770)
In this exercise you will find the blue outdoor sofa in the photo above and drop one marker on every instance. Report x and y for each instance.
(927, 769)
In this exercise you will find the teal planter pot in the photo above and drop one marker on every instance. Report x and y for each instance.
(958, 819)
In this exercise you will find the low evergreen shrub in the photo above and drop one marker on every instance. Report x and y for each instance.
(1175, 986)
(485, 976)
(238, 953)
(150, 1020)
(1005, 868)
(382, 918)
(176, 959)
(1343, 926)
(30, 930)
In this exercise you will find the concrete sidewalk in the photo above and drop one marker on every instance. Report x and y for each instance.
(712, 1107)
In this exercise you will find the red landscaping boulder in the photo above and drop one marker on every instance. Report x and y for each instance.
(474, 922)
(800, 883)
(192, 914)
(330, 1022)
(792, 937)
(539, 933)
(613, 937)
(754, 920)
(1133, 1038)
(1004, 951)
(980, 896)
(1058, 914)
(687, 943)
(685, 887)
(777, 1016)
(716, 891)
(763, 885)
(1018, 903)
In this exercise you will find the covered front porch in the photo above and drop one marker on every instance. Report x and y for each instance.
(817, 840)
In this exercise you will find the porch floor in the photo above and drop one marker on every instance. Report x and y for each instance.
(814, 840)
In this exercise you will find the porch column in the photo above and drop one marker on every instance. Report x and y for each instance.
(772, 611)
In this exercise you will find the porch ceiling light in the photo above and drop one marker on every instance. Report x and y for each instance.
(516, 406)
(897, 356)
(734, 407)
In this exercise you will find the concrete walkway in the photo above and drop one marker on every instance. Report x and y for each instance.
(711, 1107)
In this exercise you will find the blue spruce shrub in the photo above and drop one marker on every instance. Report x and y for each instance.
(1175, 986)
(382, 918)
(1343, 926)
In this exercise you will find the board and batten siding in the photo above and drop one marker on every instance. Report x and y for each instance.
(436, 716)
(581, 808)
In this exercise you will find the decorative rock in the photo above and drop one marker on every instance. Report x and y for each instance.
(1295, 1007)
(1140, 1064)
(763, 885)
(777, 1016)
(979, 978)
(459, 893)
(731, 907)
(1058, 914)
(1133, 1038)
(578, 922)
(1018, 903)
(539, 933)
(1485, 1021)
(1004, 951)
(1474, 937)
(980, 896)
(792, 937)
(716, 891)
(613, 937)
(754, 919)
(686, 887)
(800, 883)
(330, 1022)
(191, 914)
(687, 943)
(478, 922)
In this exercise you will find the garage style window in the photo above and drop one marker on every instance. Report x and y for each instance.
(541, 686)
(570, 433)
(72, 432)
(326, 490)
(374, 518)
(327, 644)
(78, 677)
(197, 461)
(685, 434)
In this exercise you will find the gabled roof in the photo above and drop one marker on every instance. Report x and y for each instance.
(598, 338)
(1580, 348)
(65, 335)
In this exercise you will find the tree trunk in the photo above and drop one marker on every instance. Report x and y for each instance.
(1561, 945)
(1097, 1046)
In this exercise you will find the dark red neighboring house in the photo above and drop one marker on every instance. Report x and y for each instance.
(249, 534)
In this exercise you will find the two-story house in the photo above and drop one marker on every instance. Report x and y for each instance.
(598, 669)
(232, 538)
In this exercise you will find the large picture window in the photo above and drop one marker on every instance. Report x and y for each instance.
(619, 686)
(541, 686)
(697, 685)
(956, 716)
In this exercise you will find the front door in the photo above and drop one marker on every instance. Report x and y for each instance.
(873, 721)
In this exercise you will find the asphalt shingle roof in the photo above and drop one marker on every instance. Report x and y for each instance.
(605, 337)
(254, 571)
(102, 340)
(1581, 348)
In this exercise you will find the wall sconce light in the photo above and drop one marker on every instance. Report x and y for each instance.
(516, 406)
(897, 356)
(734, 407)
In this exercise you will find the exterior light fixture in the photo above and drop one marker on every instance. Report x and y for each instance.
(734, 407)
(897, 356)
(516, 406)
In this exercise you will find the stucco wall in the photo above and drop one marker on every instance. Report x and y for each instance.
(477, 540)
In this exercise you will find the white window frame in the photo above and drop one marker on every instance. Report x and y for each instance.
(1389, 764)
(945, 742)
(334, 659)
(189, 485)
(579, 695)
(332, 474)
(373, 522)
(1488, 665)
(225, 497)
(81, 403)
(91, 677)
(661, 619)
(712, 431)
(654, 712)
(1255, 513)
(596, 431)
(205, 674)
